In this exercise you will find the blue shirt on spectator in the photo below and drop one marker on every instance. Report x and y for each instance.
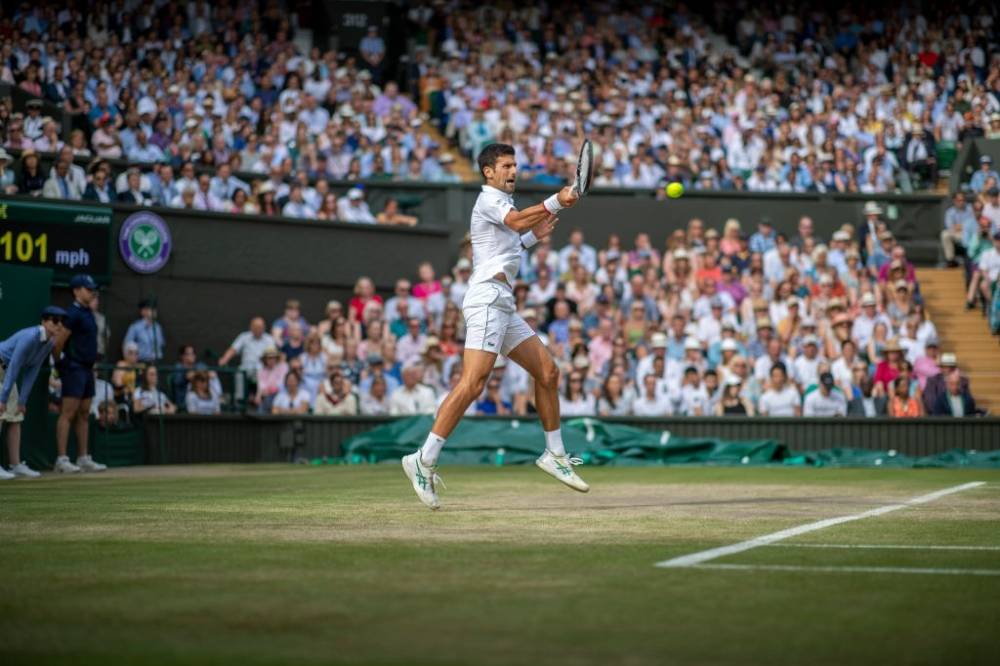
(23, 353)
(490, 407)
(82, 346)
(979, 178)
(148, 336)
(761, 243)
(962, 220)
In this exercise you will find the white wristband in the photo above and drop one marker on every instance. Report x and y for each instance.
(552, 204)
(528, 240)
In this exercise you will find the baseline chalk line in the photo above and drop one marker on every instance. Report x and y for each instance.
(849, 569)
(715, 553)
(876, 546)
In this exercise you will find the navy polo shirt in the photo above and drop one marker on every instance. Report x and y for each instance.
(82, 346)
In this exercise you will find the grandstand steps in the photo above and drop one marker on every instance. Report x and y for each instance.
(964, 333)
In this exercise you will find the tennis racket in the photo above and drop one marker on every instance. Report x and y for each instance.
(584, 168)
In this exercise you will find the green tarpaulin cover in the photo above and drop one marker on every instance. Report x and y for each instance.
(513, 442)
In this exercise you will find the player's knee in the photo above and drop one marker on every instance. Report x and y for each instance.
(472, 387)
(550, 377)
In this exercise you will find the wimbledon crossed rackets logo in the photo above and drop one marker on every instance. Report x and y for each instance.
(144, 242)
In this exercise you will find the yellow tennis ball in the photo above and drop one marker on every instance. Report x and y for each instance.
(675, 190)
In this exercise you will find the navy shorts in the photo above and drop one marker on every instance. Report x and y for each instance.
(77, 381)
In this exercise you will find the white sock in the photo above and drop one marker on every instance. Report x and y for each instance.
(431, 449)
(554, 443)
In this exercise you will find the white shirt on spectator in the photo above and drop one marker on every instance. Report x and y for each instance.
(841, 371)
(779, 403)
(407, 402)
(539, 295)
(582, 406)
(659, 405)
(989, 264)
(153, 400)
(863, 327)
(285, 400)
(298, 210)
(250, 348)
(359, 214)
(762, 367)
(805, 371)
(817, 404)
(409, 348)
(693, 401)
(103, 392)
(371, 406)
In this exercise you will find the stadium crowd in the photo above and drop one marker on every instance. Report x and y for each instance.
(738, 322)
(751, 99)
(217, 108)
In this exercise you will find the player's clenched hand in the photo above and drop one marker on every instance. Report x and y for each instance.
(567, 197)
(545, 227)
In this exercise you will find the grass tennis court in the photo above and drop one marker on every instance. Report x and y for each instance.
(277, 564)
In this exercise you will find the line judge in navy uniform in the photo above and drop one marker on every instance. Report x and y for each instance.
(76, 372)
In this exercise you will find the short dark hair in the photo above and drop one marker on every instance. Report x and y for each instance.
(491, 153)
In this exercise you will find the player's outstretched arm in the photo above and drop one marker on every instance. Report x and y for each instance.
(523, 220)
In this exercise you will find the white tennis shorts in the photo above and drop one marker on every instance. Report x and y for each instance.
(491, 323)
(9, 412)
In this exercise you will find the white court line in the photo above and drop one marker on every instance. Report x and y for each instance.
(832, 569)
(875, 546)
(714, 553)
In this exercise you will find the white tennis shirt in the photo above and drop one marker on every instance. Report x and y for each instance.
(496, 247)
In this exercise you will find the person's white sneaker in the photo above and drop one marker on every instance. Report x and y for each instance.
(561, 467)
(5, 475)
(424, 479)
(64, 466)
(88, 464)
(22, 469)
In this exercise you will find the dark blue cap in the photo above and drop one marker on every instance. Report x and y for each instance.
(53, 311)
(83, 280)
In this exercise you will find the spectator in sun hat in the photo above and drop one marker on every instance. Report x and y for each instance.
(270, 378)
(354, 208)
(936, 385)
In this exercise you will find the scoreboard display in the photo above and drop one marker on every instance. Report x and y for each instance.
(68, 239)
(351, 20)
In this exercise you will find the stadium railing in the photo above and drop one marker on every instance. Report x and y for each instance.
(265, 438)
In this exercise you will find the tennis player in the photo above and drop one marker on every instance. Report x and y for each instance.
(499, 232)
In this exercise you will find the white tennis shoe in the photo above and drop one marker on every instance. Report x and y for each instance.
(5, 475)
(88, 464)
(22, 469)
(64, 466)
(561, 467)
(424, 479)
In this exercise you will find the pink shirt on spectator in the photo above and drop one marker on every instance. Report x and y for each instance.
(885, 373)
(600, 353)
(924, 368)
(271, 380)
(424, 290)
